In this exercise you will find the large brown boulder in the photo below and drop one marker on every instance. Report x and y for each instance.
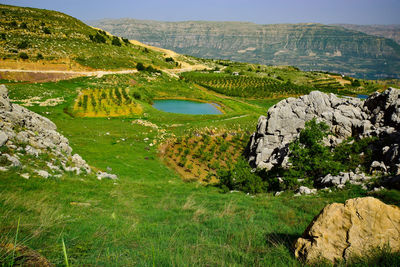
(341, 231)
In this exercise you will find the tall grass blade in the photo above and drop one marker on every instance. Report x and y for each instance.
(15, 242)
(65, 252)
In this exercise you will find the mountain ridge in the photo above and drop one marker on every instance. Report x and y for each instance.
(309, 46)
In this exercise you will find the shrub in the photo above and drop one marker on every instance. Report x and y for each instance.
(13, 24)
(4, 161)
(126, 40)
(310, 159)
(23, 55)
(23, 25)
(98, 38)
(140, 66)
(46, 30)
(137, 95)
(352, 153)
(240, 177)
(115, 41)
(169, 59)
(39, 56)
(3, 36)
(355, 83)
(23, 45)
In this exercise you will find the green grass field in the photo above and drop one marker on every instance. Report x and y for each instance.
(149, 217)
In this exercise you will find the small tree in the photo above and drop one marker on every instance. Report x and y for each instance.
(98, 38)
(140, 66)
(39, 56)
(355, 83)
(309, 157)
(115, 41)
(23, 55)
(46, 30)
(240, 177)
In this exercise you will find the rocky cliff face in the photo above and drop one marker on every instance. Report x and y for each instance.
(308, 46)
(387, 31)
(31, 145)
(379, 116)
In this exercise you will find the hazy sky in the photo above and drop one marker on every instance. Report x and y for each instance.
(258, 11)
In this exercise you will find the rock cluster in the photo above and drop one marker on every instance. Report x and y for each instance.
(25, 134)
(341, 231)
(341, 179)
(378, 116)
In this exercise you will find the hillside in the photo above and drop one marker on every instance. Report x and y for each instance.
(41, 39)
(387, 31)
(307, 46)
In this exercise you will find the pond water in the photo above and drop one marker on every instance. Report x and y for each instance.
(186, 107)
(362, 96)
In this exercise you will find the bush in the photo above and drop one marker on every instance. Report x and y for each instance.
(140, 66)
(137, 95)
(115, 41)
(39, 56)
(169, 59)
(23, 25)
(23, 45)
(353, 153)
(3, 36)
(98, 38)
(241, 178)
(46, 30)
(310, 159)
(23, 55)
(355, 83)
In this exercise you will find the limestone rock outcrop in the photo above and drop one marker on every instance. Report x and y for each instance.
(341, 231)
(25, 134)
(379, 116)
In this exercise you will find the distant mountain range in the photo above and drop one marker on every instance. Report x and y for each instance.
(387, 31)
(334, 48)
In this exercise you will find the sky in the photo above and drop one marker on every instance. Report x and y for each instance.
(257, 11)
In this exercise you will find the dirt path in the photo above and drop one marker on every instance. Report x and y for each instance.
(53, 75)
(98, 73)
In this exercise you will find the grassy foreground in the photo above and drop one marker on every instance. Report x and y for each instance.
(149, 217)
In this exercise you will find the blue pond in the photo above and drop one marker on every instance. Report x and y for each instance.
(362, 96)
(186, 107)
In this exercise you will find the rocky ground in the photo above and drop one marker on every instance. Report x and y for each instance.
(378, 116)
(31, 145)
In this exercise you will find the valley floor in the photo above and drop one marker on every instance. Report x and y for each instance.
(149, 216)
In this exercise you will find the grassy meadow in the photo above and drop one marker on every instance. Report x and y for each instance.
(150, 216)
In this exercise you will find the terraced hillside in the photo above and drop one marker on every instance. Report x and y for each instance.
(254, 81)
(307, 46)
(41, 39)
